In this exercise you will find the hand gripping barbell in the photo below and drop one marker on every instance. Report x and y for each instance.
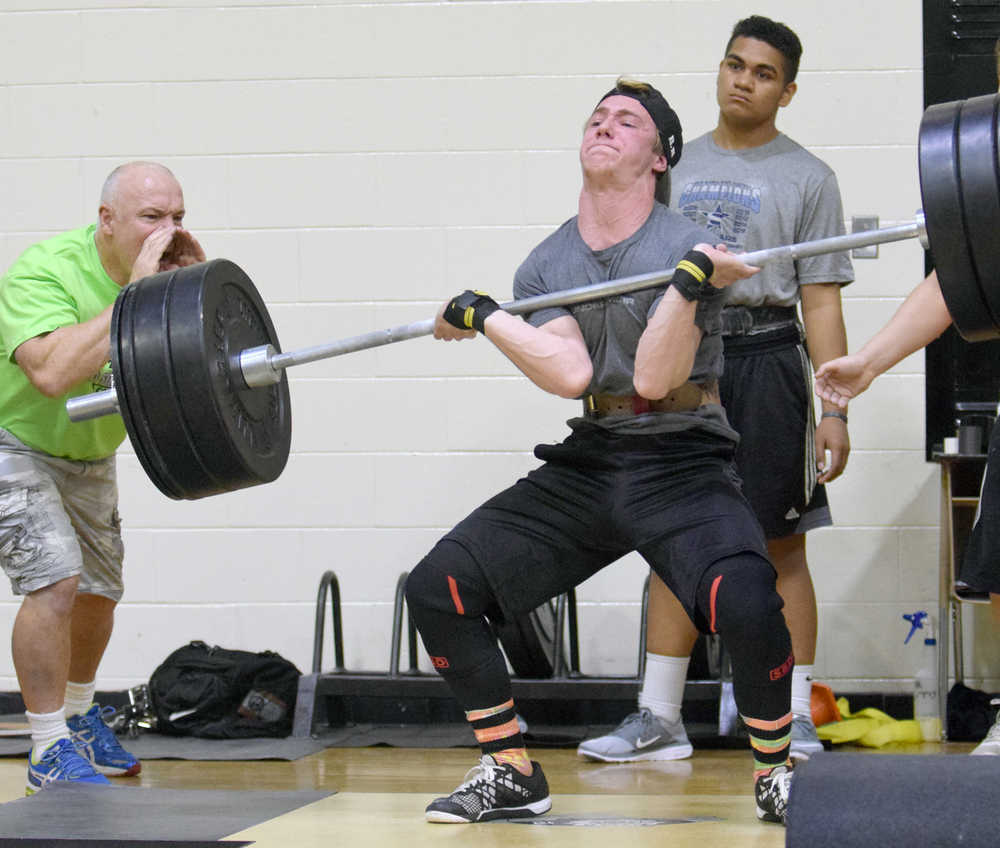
(199, 377)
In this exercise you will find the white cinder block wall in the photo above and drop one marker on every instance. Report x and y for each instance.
(362, 161)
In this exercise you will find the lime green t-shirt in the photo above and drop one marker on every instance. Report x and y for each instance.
(54, 283)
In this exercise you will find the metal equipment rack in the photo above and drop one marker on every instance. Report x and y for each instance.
(340, 697)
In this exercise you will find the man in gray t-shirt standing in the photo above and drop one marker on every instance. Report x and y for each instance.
(755, 188)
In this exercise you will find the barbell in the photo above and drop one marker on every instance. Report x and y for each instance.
(200, 379)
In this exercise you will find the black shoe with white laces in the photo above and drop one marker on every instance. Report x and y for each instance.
(493, 791)
(771, 791)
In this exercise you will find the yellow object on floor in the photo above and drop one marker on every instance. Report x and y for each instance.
(874, 728)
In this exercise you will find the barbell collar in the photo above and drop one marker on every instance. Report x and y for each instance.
(921, 222)
(85, 407)
(256, 364)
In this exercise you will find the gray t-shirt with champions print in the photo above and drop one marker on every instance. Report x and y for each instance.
(775, 194)
(612, 326)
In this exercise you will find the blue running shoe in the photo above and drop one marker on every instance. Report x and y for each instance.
(60, 761)
(97, 742)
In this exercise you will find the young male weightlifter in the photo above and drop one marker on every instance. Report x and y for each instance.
(647, 467)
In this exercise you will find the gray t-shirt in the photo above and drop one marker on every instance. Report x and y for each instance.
(612, 326)
(775, 194)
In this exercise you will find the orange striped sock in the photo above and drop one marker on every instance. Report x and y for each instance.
(769, 742)
(499, 734)
(516, 757)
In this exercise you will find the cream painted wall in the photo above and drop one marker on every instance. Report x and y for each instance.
(363, 161)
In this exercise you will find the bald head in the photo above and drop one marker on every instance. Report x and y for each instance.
(138, 199)
(131, 174)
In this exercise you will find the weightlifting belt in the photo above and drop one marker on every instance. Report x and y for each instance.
(684, 398)
(750, 320)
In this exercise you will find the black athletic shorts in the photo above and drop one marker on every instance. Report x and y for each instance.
(673, 497)
(767, 394)
(980, 568)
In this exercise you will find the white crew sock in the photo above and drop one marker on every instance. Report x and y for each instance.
(79, 697)
(802, 681)
(46, 728)
(663, 684)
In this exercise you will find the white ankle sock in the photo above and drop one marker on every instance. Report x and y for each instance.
(79, 697)
(46, 728)
(802, 678)
(663, 684)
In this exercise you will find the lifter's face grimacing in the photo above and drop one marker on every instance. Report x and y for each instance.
(619, 141)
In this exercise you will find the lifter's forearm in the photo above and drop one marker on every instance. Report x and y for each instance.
(666, 351)
(554, 356)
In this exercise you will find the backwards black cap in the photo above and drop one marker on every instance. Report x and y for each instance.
(668, 125)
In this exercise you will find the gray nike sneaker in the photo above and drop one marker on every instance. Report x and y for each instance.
(641, 736)
(804, 738)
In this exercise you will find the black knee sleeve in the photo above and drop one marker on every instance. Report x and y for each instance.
(739, 599)
(449, 580)
(448, 598)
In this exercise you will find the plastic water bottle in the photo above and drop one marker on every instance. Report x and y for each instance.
(925, 685)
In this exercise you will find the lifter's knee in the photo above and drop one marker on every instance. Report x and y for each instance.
(448, 597)
(448, 580)
(743, 603)
(747, 610)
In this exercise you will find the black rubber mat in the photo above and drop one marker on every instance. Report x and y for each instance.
(81, 812)
(459, 735)
(446, 735)
(865, 800)
(156, 746)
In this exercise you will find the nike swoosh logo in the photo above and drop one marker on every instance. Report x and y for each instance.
(643, 743)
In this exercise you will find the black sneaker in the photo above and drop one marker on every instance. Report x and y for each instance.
(493, 791)
(771, 791)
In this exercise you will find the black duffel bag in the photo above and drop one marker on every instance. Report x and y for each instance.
(217, 693)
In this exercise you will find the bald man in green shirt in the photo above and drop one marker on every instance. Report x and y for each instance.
(60, 535)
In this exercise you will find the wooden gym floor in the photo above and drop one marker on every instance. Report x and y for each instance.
(380, 795)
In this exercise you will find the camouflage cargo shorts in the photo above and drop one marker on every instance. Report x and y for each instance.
(58, 518)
